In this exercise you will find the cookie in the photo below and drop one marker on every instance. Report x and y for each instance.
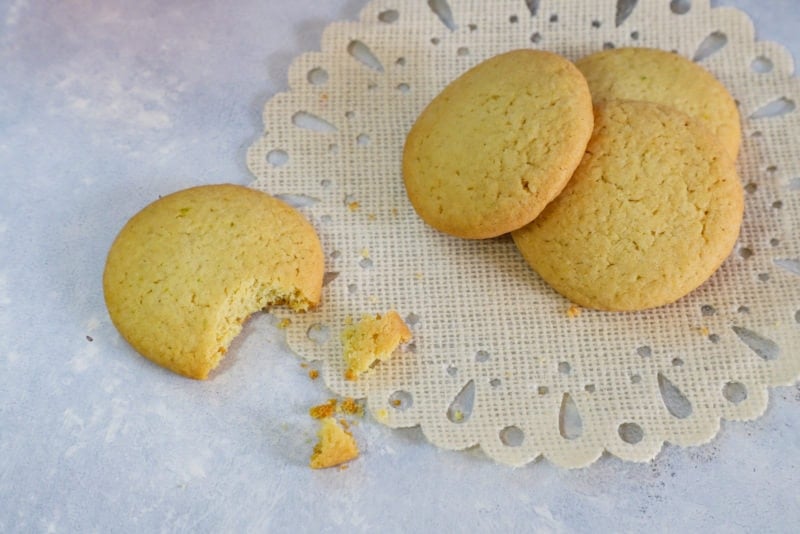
(665, 78)
(186, 271)
(374, 338)
(497, 144)
(650, 214)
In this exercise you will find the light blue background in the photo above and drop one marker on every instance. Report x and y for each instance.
(104, 105)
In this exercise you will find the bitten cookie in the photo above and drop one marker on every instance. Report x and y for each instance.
(665, 78)
(652, 211)
(497, 144)
(185, 272)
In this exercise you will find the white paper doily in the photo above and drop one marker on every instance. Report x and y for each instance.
(497, 360)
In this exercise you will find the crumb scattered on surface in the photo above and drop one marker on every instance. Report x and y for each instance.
(321, 411)
(335, 446)
(351, 407)
(284, 323)
(374, 338)
(704, 330)
(573, 311)
(382, 415)
(372, 216)
(396, 403)
(347, 406)
(353, 206)
(313, 374)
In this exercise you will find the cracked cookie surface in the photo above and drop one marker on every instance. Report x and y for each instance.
(651, 213)
(497, 144)
(665, 78)
(186, 271)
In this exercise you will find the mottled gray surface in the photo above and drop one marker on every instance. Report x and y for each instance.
(106, 105)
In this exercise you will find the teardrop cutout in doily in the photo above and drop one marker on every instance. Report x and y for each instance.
(497, 359)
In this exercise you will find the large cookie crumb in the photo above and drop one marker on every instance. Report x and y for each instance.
(372, 339)
(335, 446)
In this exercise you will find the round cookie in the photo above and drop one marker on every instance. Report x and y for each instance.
(185, 272)
(665, 78)
(497, 144)
(651, 213)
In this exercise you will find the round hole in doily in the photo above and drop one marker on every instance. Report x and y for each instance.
(631, 433)
(734, 392)
(277, 157)
(319, 333)
(317, 76)
(680, 7)
(761, 64)
(389, 16)
(401, 400)
(512, 436)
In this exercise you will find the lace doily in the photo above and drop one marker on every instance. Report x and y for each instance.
(498, 358)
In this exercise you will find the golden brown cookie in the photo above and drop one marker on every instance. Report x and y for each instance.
(185, 272)
(652, 211)
(665, 78)
(497, 144)
(374, 338)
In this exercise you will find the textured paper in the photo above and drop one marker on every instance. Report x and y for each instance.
(498, 358)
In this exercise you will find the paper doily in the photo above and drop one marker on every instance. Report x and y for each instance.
(497, 359)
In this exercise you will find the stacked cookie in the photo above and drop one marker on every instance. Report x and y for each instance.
(615, 176)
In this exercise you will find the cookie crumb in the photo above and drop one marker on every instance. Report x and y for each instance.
(374, 338)
(284, 323)
(322, 411)
(335, 447)
(351, 407)
(353, 206)
(313, 374)
(704, 330)
(573, 311)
